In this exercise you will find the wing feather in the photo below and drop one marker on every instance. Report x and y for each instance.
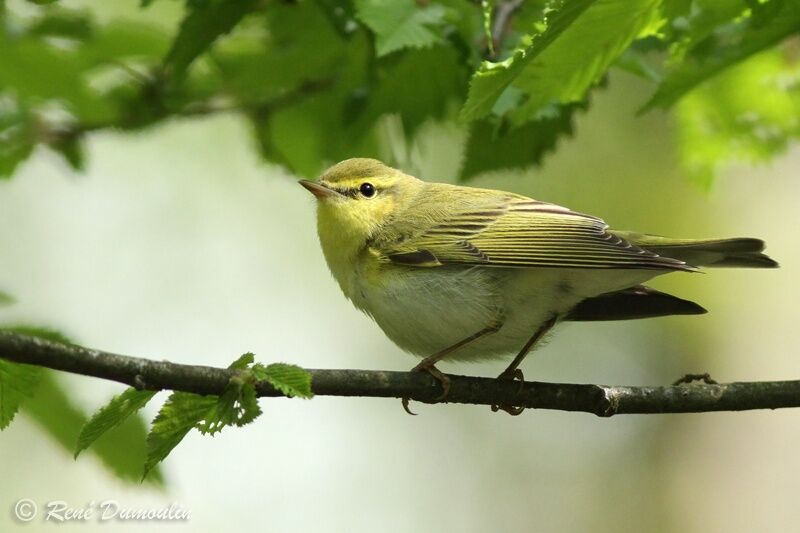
(520, 232)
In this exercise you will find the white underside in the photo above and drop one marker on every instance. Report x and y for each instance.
(426, 310)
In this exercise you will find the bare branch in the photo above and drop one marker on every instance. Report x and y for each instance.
(601, 400)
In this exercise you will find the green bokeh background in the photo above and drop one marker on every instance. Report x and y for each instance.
(179, 243)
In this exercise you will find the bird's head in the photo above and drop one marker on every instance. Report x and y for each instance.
(356, 197)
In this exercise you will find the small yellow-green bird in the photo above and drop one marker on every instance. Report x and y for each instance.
(460, 273)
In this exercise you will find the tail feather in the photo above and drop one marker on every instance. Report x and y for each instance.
(737, 252)
(627, 304)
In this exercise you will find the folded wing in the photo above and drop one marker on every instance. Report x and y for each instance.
(519, 232)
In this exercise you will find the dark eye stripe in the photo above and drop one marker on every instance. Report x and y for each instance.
(352, 192)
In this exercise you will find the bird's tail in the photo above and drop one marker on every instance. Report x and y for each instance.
(738, 252)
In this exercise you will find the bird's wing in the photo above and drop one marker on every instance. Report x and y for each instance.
(515, 231)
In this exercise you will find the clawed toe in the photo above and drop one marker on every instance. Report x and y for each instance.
(513, 375)
(438, 376)
(510, 409)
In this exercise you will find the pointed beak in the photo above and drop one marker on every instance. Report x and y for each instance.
(319, 190)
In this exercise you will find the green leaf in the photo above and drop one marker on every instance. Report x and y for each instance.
(291, 380)
(5, 299)
(237, 406)
(440, 79)
(62, 23)
(748, 37)
(39, 71)
(72, 150)
(401, 23)
(112, 415)
(16, 137)
(121, 450)
(581, 56)
(492, 79)
(183, 411)
(301, 47)
(243, 362)
(18, 383)
(307, 131)
(180, 413)
(581, 41)
(748, 113)
(203, 24)
(495, 146)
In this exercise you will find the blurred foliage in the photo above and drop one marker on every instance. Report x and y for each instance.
(747, 113)
(315, 77)
(17, 382)
(117, 432)
(121, 451)
(46, 401)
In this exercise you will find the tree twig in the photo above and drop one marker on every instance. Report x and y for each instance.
(601, 400)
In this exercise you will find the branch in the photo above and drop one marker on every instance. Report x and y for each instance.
(151, 97)
(601, 400)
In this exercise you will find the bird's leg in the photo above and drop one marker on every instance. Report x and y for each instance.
(514, 373)
(429, 363)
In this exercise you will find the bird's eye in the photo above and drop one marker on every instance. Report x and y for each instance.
(367, 189)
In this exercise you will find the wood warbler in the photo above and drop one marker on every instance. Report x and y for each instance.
(460, 273)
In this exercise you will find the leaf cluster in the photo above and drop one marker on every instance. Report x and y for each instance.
(315, 78)
(117, 431)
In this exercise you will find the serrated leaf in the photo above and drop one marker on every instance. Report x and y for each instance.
(203, 24)
(237, 406)
(180, 413)
(18, 382)
(492, 79)
(291, 380)
(583, 38)
(580, 58)
(747, 38)
(112, 415)
(244, 361)
(401, 24)
(493, 146)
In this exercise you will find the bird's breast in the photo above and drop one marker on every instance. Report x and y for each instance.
(424, 310)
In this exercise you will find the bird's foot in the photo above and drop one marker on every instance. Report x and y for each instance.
(437, 374)
(513, 375)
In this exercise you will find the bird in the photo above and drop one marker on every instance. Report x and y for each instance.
(459, 273)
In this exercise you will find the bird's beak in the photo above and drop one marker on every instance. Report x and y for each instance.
(319, 190)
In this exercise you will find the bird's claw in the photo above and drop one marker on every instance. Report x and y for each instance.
(438, 376)
(513, 375)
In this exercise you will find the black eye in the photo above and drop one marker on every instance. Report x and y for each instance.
(367, 189)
